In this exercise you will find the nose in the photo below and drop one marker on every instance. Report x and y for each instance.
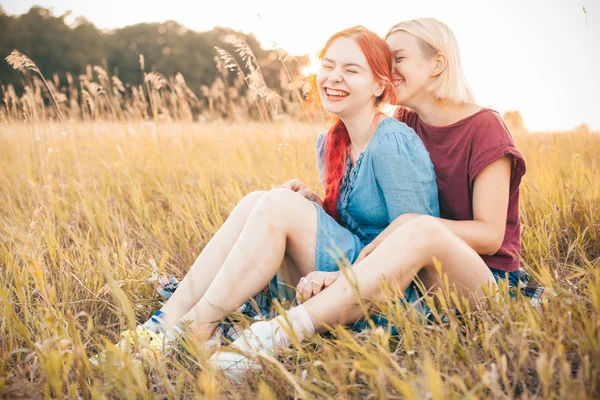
(335, 75)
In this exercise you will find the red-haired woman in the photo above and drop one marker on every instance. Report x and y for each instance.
(374, 169)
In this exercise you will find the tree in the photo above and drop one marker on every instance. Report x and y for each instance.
(168, 48)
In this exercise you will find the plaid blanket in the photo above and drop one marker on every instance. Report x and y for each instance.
(258, 307)
(533, 292)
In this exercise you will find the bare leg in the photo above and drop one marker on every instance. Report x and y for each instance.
(205, 268)
(420, 240)
(283, 222)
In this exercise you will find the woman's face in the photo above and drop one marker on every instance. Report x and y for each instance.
(345, 81)
(412, 73)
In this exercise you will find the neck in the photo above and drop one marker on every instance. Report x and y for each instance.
(361, 127)
(436, 113)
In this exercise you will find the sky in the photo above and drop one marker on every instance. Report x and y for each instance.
(541, 57)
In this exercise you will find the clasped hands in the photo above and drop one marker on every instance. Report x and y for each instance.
(313, 283)
(316, 281)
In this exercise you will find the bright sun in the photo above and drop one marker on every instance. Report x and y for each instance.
(313, 65)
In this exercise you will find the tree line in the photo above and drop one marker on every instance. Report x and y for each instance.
(169, 48)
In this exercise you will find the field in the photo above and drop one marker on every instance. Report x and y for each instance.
(85, 214)
(90, 206)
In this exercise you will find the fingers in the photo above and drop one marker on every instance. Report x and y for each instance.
(361, 255)
(313, 283)
(298, 186)
(294, 184)
(317, 287)
(307, 193)
(365, 252)
(299, 296)
(306, 287)
(331, 278)
(291, 185)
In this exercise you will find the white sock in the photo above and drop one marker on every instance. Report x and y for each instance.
(300, 321)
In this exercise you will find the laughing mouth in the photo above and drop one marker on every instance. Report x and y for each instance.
(335, 93)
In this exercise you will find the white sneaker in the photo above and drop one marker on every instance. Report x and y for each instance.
(240, 356)
(148, 343)
(144, 343)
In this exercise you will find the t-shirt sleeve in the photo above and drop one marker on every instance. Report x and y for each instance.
(492, 141)
(320, 153)
(405, 175)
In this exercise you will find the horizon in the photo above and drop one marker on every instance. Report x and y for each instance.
(547, 74)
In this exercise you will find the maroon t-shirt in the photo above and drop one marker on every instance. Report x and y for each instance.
(459, 152)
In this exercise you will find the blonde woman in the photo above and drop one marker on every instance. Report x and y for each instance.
(477, 165)
(478, 172)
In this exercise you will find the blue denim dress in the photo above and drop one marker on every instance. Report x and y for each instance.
(393, 176)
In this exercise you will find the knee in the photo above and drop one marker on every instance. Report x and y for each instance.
(278, 204)
(428, 226)
(251, 199)
(245, 206)
(427, 231)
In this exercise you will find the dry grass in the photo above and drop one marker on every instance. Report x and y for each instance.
(239, 93)
(82, 215)
(87, 208)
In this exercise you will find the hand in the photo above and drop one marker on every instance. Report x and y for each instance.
(368, 249)
(299, 187)
(313, 283)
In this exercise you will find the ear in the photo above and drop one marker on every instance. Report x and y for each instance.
(439, 64)
(379, 89)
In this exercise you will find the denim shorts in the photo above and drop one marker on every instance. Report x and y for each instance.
(513, 277)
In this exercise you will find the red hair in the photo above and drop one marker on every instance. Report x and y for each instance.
(336, 141)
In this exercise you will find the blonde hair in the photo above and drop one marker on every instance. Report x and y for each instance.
(436, 37)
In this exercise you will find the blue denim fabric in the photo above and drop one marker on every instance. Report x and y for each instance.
(517, 282)
(514, 278)
(412, 297)
(393, 176)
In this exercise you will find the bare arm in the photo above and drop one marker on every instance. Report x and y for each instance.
(485, 233)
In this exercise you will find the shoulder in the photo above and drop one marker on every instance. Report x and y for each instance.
(320, 141)
(320, 149)
(406, 115)
(488, 125)
(490, 141)
(321, 137)
(392, 133)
